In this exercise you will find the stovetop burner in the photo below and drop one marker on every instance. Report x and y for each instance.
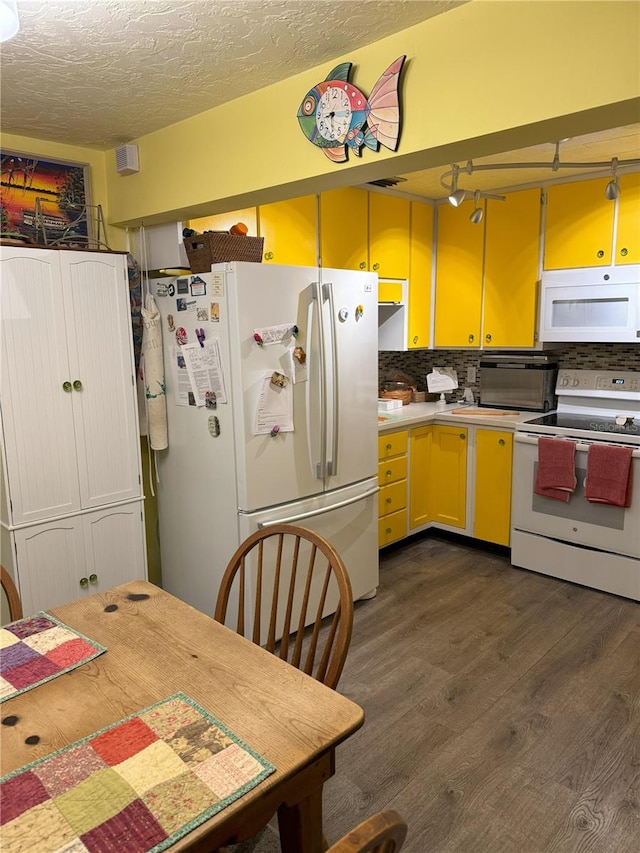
(589, 422)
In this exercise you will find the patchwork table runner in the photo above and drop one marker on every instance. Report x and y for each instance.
(136, 786)
(37, 649)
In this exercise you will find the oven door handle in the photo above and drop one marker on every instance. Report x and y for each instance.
(581, 447)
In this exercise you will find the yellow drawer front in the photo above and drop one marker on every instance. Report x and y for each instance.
(392, 470)
(392, 444)
(392, 527)
(389, 291)
(392, 498)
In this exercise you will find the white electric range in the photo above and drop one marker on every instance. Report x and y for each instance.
(594, 544)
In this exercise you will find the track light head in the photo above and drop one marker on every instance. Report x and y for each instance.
(612, 190)
(477, 212)
(456, 198)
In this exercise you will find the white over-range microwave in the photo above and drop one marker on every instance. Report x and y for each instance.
(594, 304)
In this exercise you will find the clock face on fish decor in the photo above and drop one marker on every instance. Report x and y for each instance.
(336, 116)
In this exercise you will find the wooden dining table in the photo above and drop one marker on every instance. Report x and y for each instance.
(156, 645)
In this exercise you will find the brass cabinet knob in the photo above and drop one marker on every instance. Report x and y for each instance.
(389, 500)
(389, 446)
(624, 252)
(376, 266)
(501, 442)
(415, 339)
(488, 338)
(388, 530)
(471, 338)
(67, 386)
(388, 473)
(84, 583)
(93, 578)
(268, 256)
(600, 253)
(363, 265)
(77, 385)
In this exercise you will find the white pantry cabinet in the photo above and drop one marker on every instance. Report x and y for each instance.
(71, 452)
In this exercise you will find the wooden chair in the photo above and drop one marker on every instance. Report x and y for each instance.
(383, 832)
(272, 574)
(11, 593)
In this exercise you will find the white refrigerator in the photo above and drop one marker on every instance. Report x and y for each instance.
(289, 433)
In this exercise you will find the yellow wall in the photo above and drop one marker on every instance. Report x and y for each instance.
(486, 77)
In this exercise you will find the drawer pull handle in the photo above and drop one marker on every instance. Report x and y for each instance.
(388, 530)
(389, 446)
(388, 473)
(389, 500)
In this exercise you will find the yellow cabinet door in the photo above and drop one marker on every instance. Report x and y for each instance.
(389, 226)
(420, 275)
(289, 231)
(344, 228)
(494, 454)
(458, 303)
(448, 480)
(224, 221)
(420, 476)
(511, 258)
(579, 225)
(628, 236)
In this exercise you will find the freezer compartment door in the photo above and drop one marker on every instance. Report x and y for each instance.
(347, 519)
(349, 322)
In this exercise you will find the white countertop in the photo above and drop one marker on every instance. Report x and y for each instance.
(424, 413)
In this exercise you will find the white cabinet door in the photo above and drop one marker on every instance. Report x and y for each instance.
(51, 563)
(115, 546)
(63, 560)
(37, 413)
(96, 305)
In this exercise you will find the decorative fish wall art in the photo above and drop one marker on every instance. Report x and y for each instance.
(336, 116)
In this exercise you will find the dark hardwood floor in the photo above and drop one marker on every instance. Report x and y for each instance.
(502, 708)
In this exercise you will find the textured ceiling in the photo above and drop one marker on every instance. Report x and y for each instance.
(97, 73)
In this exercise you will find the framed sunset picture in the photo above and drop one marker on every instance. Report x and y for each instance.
(44, 201)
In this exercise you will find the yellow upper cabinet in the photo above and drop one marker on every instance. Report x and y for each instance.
(289, 230)
(579, 225)
(511, 262)
(419, 296)
(628, 237)
(344, 227)
(389, 235)
(458, 304)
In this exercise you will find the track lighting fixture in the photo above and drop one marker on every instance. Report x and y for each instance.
(457, 196)
(477, 213)
(613, 187)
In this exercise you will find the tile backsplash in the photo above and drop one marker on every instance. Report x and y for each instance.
(420, 362)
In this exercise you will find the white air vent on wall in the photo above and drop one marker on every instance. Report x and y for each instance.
(127, 159)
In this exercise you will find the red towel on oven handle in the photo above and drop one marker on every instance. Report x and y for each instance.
(609, 477)
(556, 475)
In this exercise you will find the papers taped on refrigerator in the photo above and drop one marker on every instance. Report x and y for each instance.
(274, 409)
(204, 367)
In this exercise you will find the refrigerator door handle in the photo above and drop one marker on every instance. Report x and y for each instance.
(321, 466)
(313, 512)
(332, 464)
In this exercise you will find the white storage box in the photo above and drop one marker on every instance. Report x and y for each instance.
(389, 405)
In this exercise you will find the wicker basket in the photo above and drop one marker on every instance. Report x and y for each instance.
(215, 247)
